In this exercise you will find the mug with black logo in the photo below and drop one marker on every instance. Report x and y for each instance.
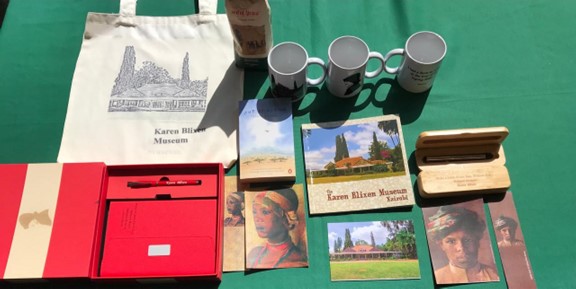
(349, 57)
(288, 70)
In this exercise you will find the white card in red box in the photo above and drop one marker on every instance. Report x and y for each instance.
(48, 219)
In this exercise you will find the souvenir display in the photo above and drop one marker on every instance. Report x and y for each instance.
(146, 189)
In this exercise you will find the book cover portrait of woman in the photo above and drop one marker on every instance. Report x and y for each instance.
(275, 230)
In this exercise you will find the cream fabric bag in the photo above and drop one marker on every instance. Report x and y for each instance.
(154, 90)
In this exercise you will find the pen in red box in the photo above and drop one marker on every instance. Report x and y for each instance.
(148, 184)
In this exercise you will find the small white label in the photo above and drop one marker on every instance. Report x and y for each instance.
(159, 250)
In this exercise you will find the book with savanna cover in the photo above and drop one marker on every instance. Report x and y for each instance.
(266, 140)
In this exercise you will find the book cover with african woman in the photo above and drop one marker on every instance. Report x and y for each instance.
(356, 165)
(276, 228)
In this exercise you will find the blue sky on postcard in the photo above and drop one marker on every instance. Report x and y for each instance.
(358, 231)
(320, 145)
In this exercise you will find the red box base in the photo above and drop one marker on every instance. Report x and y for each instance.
(158, 232)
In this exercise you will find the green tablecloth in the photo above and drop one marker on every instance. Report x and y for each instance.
(509, 63)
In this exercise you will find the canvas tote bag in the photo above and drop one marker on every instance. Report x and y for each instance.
(152, 90)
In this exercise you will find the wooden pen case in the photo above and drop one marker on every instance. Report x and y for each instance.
(461, 161)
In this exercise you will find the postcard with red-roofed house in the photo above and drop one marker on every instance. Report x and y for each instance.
(356, 165)
(373, 250)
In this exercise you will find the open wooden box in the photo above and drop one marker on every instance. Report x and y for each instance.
(461, 161)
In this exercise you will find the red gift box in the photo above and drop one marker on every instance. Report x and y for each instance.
(84, 221)
(48, 219)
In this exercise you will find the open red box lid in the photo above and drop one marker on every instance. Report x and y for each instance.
(48, 219)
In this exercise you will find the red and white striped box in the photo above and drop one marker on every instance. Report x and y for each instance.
(48, 219)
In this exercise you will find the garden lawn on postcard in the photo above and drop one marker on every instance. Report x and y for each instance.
(381, 269)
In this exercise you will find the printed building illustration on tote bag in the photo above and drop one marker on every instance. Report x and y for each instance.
(152, 88)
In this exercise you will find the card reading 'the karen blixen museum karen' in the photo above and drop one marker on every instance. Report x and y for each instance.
(356, 165)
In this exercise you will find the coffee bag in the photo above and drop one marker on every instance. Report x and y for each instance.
(250, 21)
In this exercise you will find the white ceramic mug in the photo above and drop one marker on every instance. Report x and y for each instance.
(288, 69)
(421, 59)
(349, 56)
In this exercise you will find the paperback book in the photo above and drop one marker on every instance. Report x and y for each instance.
(356, 165)
(266, 140)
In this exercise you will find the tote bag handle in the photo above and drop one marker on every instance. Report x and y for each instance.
(206, 7)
